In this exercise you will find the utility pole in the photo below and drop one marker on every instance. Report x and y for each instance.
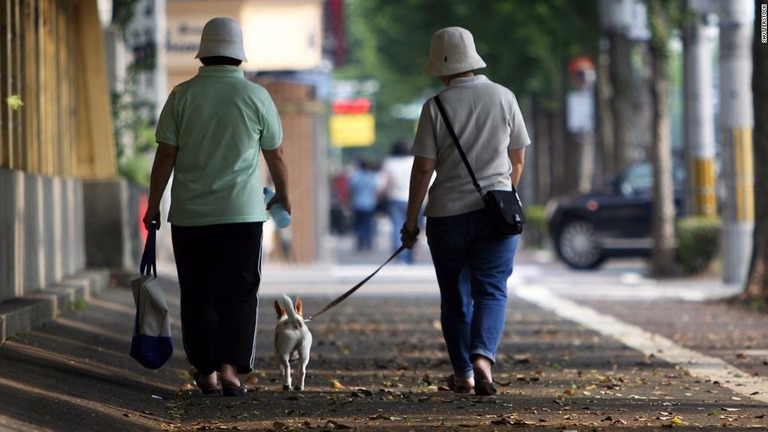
(699, 120)
(736, 122)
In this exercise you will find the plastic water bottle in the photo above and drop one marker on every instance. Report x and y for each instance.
(278, 213)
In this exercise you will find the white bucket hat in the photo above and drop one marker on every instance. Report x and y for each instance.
(222, 37)
(451, 51)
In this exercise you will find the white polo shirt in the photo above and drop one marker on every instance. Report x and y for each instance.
(488, 122)
(219, 121)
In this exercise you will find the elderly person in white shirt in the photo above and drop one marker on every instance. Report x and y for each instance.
(472, 259)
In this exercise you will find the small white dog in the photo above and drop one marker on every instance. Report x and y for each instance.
(293, 341)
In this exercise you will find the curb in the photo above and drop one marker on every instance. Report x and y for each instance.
(22, 314)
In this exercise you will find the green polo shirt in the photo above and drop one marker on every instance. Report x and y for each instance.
(219, 121)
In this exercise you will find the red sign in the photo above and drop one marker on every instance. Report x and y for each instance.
(351, 106)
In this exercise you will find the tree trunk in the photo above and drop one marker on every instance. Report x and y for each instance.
(757, 279)
(562, 171)
(543, 165)
(642, 105)
(663, 260)
(622, 101)
(604, 162)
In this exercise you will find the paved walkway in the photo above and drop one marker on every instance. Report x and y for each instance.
(571, 359)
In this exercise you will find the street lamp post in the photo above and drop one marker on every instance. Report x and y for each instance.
(736, 123)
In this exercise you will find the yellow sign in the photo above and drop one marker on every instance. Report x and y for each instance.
(352, 130)
(705, 187)
(744, 174)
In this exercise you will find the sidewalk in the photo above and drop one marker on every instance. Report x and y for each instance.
(378, 363)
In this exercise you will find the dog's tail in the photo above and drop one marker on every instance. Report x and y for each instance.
(289, 309)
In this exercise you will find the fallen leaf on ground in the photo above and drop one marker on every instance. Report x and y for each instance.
(334, 425)
(677, 421)
(382, 417)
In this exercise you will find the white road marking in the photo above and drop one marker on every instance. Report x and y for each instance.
(698, 364)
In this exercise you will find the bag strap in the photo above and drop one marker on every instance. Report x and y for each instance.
(136, 327)
(458, 145)
(148, 259)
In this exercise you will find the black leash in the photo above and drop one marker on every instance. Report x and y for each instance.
(342, 297)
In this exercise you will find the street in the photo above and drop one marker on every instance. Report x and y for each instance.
(581, 351)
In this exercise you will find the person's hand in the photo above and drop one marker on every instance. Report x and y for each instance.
(151, 216)
(280, 199)
(408, 236)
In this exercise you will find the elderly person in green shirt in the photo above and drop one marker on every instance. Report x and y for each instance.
(210, 134)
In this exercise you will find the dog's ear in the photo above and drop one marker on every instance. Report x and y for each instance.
(279, 309)
(299, 306)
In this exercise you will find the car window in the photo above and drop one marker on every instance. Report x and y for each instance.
(638, 178)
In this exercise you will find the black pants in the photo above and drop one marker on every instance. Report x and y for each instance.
(219, 268)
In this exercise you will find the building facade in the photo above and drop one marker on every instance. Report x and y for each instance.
(56, 140)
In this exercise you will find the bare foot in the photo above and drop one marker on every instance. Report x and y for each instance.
(483, 377)
(207, 383)
(229, 376)
(482, 368)
(460, 385)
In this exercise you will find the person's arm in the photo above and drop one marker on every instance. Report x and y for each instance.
(517, 159)
(421, 175)
(279, 173)
(162, 167)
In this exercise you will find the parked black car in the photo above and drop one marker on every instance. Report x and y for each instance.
(587, 229)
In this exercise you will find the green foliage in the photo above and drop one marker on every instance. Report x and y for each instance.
(698, 241)
(133, 128)
(79, 305)
(664, 18)
(134, 136)
(526, 45)
(21, 336)
(123, 12)
(14, 102)
(535, 229)
(758, 305)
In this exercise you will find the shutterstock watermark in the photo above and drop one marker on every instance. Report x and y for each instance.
(764, 22)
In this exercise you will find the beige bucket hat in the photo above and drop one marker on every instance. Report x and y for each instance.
(451, 51)
(222, 37)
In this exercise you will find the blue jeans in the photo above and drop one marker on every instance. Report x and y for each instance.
(472, 264)
(364, 229)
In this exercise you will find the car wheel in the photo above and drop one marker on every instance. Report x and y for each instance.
(578, 247)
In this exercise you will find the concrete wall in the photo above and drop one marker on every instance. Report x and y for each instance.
(45, 229)
(112, 224)
(41, 231)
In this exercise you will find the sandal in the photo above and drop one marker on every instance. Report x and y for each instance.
(483, 387)
(234, 390)
(456, 387)
(205, 389)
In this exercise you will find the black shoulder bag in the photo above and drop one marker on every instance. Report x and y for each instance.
(504, 206)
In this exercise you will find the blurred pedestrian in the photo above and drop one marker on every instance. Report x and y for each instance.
(341, 217)
(364, 186)
(396, 170)
(210, 134)
(472, 260)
